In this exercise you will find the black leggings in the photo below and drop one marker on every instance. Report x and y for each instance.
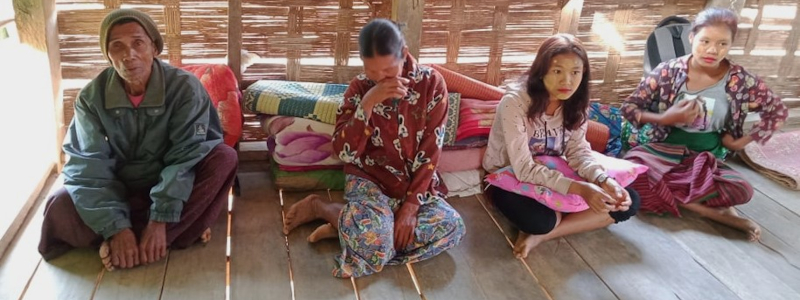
(532, 217)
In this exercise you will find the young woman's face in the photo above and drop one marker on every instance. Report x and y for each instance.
(711, 44)
(564, 76)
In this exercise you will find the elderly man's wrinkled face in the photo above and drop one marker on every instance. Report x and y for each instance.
(131, 51)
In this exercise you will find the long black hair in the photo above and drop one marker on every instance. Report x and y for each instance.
(381, 37)
(575, 108)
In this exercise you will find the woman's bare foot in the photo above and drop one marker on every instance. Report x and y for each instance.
(748, 226)
(105, 256)
(728, 216)
(206, 236)
(302, 212)
(324, 231)
(525, 243)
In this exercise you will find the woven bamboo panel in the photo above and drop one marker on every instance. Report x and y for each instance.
(490, 40)
(324, 32)
(766, 44)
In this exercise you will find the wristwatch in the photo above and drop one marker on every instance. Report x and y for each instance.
(601, 179)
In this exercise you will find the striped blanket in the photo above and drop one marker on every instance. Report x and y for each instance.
(309, 100)
(677, 175)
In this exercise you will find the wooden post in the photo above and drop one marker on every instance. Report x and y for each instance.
(37, 27)
(494, 69)
(235, 38)
(342, 46)
(750, 43)
(570, 15)
(621, 17)
(172, 18)
(454, 34)
(408, 13)
(295, 34)
(734, 5)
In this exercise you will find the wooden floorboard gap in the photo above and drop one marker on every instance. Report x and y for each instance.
(98, 281)
(416, 281)
(286, 244)
(164, 275)
(608, 286)
(480, 199)
(28, 284)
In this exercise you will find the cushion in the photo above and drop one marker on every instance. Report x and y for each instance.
(612, 118)
(623, 171)
(222, 87)
(597, 136)
(453, 105)
(468, 87)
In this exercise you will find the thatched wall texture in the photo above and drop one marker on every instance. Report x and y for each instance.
(490, 40)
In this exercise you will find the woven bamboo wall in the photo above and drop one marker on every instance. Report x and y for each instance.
(490, 40)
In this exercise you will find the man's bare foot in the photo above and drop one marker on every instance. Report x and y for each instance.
(206, 236)
(525, 243)
(324, 231)
(302, 212)
(105, 256)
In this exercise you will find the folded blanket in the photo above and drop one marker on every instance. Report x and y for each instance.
(309, 180)
(309, 100)
(468, 87)
(476, 118)
(300, 142)
(461, 160)
(467, 143)
(463, 183)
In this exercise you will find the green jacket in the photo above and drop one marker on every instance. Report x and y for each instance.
(114, 147)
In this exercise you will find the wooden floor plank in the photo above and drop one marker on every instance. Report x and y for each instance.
(198, 272)
(770, 252)
(483, 260)
(393, 282)
(19, 263)
(776, 220)
(312, 263)
(635, 258)
(259, 261)
(70, 276)
(727, 262)
(142, 282)
(780, 194)
(557, 266)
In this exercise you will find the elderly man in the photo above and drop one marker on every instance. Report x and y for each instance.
(147, 167)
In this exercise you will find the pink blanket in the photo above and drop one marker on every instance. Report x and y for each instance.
(461, 160)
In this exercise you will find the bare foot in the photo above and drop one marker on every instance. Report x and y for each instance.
(302, 212)
(206, 236)
(751, 228)
(525, 243)
(105, 256)
(324, 231)
(728, 216)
